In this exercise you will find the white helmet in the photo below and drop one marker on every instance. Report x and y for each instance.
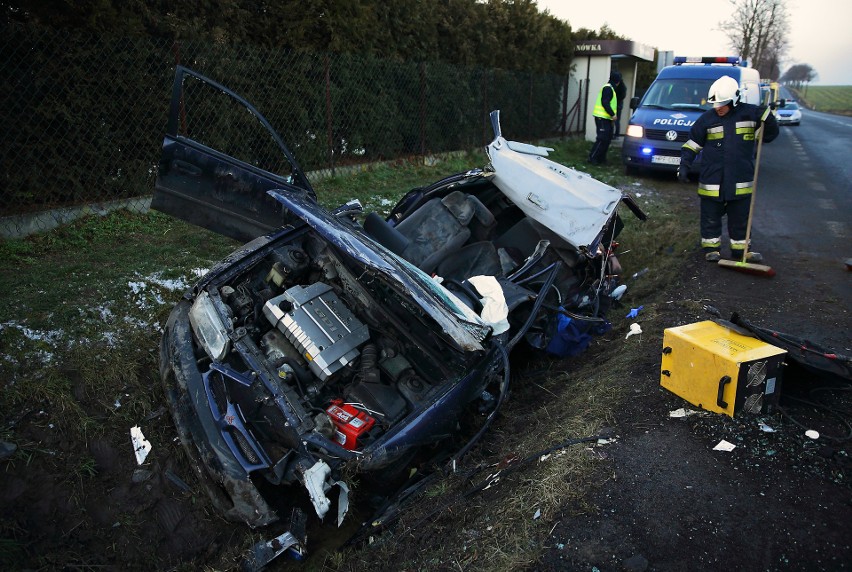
(724, 90)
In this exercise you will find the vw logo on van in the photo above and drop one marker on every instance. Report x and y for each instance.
(671, 135)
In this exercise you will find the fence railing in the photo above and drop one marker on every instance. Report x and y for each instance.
(84, 115)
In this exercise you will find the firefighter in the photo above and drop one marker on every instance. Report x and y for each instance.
(605, 112)
(726, 137)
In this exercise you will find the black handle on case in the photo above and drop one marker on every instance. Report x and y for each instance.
(722, 383)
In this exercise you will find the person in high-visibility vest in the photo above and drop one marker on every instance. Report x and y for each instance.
(605, 112)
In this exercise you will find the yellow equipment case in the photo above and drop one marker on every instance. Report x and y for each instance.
(720, 370)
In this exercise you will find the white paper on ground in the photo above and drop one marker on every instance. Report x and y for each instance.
(724, 446)
(682, 412)
(141, 446)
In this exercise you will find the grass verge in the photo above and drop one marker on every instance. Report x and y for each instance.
(828, 98)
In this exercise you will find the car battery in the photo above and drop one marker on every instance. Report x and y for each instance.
(720, 370)
(350, 424)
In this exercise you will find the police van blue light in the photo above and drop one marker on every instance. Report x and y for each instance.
(660, 122)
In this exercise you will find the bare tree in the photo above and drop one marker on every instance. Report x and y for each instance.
(757, 30)
(799, 75)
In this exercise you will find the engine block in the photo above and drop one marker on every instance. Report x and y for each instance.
(319, 325)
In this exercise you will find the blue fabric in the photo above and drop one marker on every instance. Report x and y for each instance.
(574, 336)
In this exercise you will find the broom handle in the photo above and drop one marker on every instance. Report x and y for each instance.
(753, 191)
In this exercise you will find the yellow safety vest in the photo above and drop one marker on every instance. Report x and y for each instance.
(599, 110)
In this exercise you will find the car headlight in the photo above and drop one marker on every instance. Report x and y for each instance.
(635, 131)
(208, 327)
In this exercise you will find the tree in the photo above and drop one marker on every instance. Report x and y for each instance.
(758, 31)
(799, 75)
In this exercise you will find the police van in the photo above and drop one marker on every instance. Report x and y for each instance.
(661, 121)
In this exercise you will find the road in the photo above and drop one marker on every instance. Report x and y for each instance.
(803, 219)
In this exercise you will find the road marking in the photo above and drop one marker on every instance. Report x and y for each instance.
(838, 229)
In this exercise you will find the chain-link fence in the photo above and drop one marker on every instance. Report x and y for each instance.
(84, 115)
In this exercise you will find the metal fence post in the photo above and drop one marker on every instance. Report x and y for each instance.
(329, 137)
(564, 106)
(423, 109)
(485, 107)
(176, 52)
(530, 131)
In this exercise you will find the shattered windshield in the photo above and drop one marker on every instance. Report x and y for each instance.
(678, 93)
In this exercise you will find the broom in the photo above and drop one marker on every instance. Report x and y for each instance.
(742, 265)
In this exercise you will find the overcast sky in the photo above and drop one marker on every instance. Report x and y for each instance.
(820, 30)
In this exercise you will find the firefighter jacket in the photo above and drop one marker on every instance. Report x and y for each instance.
(727, 147)
(605, 106)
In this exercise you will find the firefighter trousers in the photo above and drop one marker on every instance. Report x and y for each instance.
(711, 222)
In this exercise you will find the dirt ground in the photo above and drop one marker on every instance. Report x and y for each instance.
(665, 499)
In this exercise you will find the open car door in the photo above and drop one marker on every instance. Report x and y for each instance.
(219, 157)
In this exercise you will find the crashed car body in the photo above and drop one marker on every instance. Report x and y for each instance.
(326, 343)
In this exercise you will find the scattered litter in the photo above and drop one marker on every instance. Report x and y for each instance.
(634, 329)
(638, 274)
(560, 546)
(766, 428)
(291, 541)
(537, 514)
(712, 310)
(140, 445)
(618, 292)
(180, 483)
(7, 449)
(724, 446)
(154, 414)
(634, 312)
(543, 458)
(140, 476)
(770, 452)
(606, 441)
(812, 434)
(682, 412)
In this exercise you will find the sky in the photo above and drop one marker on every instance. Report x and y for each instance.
(820, 34)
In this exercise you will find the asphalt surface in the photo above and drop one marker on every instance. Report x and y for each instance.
(804, 200)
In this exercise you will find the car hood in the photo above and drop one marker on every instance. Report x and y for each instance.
(463, 326)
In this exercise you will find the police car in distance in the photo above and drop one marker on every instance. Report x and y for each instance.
(789, 114)
(661, 121)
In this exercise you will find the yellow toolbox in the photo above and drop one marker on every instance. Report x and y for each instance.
(720, 370)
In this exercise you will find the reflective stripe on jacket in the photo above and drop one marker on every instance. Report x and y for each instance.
(727, 147)
(600, 110)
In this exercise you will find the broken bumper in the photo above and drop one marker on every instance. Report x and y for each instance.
(226, 480)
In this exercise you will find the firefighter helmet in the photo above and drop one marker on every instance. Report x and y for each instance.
(724, 90)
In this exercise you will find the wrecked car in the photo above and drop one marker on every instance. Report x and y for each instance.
(338, 342)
